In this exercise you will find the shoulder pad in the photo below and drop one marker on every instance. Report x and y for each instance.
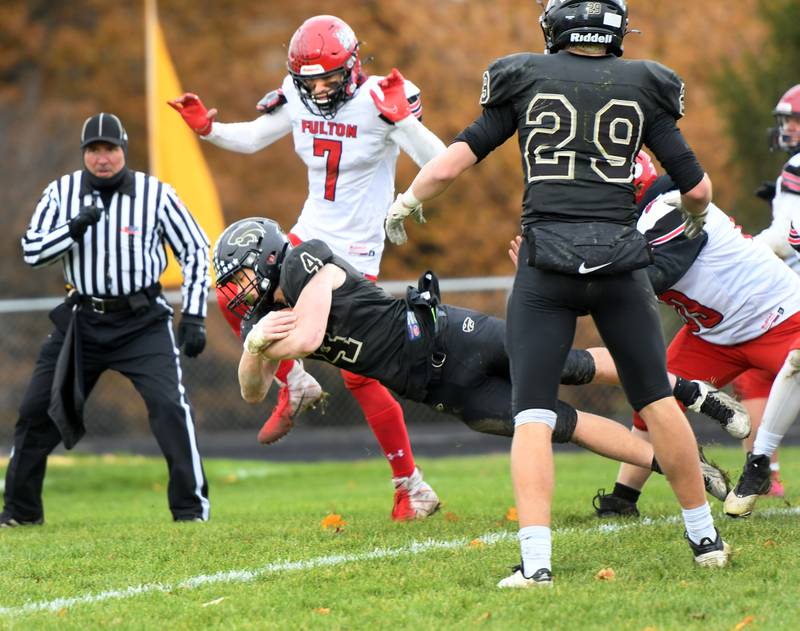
(667, 88)
(271, 101)
(499, 79)
(300, 266)
(790, 176)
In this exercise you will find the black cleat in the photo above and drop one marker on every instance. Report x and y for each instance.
(710, 553)
(612, 506)
(7, 521)
(755, 481)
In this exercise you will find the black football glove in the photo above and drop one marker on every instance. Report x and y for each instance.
(766, 191)
(88, 216)
(192, 335)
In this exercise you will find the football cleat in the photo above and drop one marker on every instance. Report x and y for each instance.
(541, 578)
(755, 481)
(723, 408)
(292, 401)
(609, 505)
(715, 479)
(709, 553)
(413, 498)
(7, 521)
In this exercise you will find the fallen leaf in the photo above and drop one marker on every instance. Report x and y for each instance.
(216, 601)
(744, 622)
(484, 616)
(606, 574)
(698, 615)
(684, 583)
(158, 487)
(476, 543)
(230, 478)
(62, 612)
(333, 521)
(448, 516)
(511, 514)
(650, 629)
(323, 611)
(770, 543)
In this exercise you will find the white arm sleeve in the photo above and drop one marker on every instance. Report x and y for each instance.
(776, 236)
(419, 142)
(251, 136)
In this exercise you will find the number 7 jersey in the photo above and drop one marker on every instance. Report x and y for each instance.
(351, 171)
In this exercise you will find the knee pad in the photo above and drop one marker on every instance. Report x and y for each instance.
(579, 368)
(566, 420)
(495, 426)
(352, 381)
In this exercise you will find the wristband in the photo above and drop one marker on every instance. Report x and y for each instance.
(409, 199)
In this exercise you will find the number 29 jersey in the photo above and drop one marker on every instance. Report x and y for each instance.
(580, 121)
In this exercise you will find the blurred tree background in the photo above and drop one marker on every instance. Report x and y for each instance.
(63, 61)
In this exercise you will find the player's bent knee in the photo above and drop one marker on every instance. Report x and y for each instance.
(496, 426)
(566, 421)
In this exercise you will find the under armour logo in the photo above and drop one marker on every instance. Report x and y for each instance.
(469, 325)
(399, 454)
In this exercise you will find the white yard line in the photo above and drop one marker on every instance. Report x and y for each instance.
(414, 548)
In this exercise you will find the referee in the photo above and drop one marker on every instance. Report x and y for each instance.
(109, 227)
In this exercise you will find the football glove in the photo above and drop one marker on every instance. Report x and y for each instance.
(390, 97)
(405, 205)
(194, 113)
(766, 191)
(88, 216)
(692, 223)
(192, 335)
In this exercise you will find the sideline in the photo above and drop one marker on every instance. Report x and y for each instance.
(414, 548)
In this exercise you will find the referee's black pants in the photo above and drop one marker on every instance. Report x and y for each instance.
(143, 349)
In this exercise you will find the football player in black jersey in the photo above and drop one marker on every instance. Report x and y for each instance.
(450, 358)
(581, 113)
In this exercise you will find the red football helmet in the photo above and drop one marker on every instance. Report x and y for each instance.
(324, 47)
(787, 114)
(644, 174)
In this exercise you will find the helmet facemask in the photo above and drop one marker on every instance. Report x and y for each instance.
(327, 103)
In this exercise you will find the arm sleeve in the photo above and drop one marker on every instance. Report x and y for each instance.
(491, 129)
(46, 239)
(251, 136)
(673, 152)
(673, 252)
(190, 245)
(419, 142)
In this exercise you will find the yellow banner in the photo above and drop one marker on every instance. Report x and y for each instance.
(175, 155)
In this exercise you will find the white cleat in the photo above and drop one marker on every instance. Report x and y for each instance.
(714, 478)
(723, 408)
(413, 498)
(541, 578)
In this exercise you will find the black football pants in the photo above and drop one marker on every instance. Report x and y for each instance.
(542, 313)
(142, 348)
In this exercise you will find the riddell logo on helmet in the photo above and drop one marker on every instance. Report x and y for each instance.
(590, 38)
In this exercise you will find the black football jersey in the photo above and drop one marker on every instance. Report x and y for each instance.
(580, 122)
(366, 331)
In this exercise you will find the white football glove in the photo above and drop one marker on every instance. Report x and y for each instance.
(256, 341)
(404, 205)
(692, 223)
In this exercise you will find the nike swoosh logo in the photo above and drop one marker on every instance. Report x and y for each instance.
(588, 270)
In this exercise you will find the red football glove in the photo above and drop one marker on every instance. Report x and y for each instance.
(191, 108)
(394, 104)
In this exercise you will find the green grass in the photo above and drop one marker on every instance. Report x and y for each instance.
(108, 528)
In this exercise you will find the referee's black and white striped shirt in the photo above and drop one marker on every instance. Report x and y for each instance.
(126, 250)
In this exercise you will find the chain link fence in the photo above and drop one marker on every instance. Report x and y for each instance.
(115, 410)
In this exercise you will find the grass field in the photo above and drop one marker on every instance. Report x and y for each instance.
(109, 556)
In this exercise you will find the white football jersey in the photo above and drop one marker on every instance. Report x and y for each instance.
(736, 289)
(351, 171)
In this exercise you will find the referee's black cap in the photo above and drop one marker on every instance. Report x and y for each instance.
(104, 127)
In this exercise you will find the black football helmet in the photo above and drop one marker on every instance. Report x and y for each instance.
(257, 244)
(567, 22)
